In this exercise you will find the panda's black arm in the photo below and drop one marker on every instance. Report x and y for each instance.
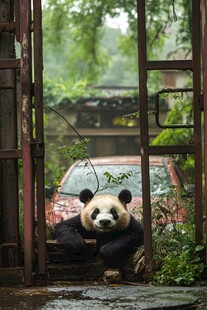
(70, 233)
(123, 242)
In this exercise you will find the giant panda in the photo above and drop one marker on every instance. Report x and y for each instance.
(106, 219)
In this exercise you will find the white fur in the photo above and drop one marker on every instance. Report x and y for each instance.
(105, 203)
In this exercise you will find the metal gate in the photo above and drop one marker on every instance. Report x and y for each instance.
(22, 21)
(193, 65)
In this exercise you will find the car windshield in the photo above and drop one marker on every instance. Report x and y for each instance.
(81, 177)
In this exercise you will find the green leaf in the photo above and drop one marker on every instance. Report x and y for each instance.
(199, 248)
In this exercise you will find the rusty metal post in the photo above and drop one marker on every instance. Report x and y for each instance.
(146, 149)
(196, 56)
(204, 49)
(25, 26)
(38, 103)
(9, 206)
(144, 135)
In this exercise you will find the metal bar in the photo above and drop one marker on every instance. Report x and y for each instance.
(196, 50)
(10, 154)
(9, 170)
(8, 27)
(144, 135)
(170, 65)
(204, 49)
(157, 108)
(17, 19)
(38, 103)
(37, 150)
(10, 63)
(6, 87)
(175, 90)
(9, 244)
(171, 149)
(25, 11)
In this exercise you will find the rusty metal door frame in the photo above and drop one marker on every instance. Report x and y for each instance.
(28, 32)
(32, 145)
(204, 51)
(146, 65)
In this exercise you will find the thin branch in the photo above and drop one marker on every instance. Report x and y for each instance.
(174, 12)
(81, 138)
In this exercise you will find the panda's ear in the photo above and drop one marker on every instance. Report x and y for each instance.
(125, 196)
(85, 195)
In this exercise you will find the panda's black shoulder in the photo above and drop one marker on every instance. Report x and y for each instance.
(134, 225)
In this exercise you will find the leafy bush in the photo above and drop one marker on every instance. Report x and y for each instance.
(182, 266)
(177, 259)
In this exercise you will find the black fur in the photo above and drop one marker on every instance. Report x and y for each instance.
(125, 196)
(115, 246)
(71, 234)
(112, 247)
(85, 195)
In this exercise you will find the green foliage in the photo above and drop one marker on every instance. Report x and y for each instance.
(117, 71)
(173, 136)
(79, 25)
(56, 91)
(180, 113)
(72, 19)
(114, 181)
(132, 115)
(184, 39)
(177, 259)
(77, 150)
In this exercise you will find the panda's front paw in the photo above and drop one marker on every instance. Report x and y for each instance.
(105, 252)
(111, 256)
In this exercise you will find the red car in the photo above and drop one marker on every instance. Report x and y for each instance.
(164, 174)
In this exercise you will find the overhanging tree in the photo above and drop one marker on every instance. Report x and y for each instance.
(82, 22)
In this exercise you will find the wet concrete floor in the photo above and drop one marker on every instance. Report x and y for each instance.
(95, 296)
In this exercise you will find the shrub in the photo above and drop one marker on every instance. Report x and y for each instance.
(177, 258)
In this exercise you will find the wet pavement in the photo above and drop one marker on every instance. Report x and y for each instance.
(95, 296)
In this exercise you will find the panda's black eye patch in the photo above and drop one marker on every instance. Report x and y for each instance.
(114, 213)
(95, 213)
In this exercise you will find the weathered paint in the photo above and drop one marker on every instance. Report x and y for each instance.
(204, 49)
(38, 103)
(28, 175)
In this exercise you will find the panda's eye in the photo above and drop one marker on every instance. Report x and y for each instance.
(113, 211)
(96, 211)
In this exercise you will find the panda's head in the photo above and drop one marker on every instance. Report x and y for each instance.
(105, 213)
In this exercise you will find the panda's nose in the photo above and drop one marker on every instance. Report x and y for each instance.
(104, 222)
